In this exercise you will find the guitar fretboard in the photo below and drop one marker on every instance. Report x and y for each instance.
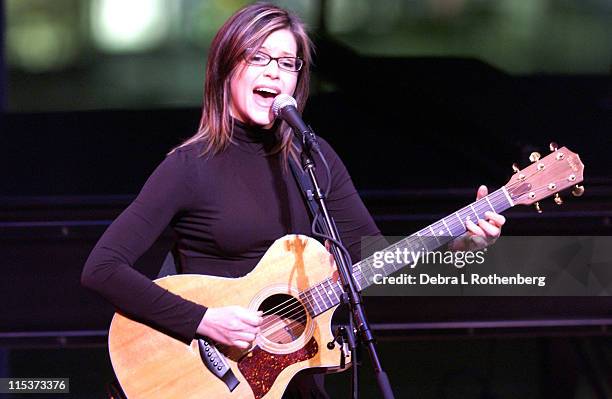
(326, 294)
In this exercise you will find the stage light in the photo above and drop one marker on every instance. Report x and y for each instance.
(126, 26)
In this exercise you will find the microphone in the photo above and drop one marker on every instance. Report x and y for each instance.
(285, 107)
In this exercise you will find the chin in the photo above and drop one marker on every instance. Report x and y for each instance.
(261, 120)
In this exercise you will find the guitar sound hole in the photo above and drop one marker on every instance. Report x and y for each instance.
(284, 318)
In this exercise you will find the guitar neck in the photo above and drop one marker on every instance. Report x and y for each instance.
(433, 236)
(326, 294)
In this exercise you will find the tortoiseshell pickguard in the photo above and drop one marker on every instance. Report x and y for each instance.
(261, 368)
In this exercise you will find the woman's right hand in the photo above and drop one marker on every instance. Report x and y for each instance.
(231, 325)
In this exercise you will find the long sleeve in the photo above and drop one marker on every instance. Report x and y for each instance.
(109, 268)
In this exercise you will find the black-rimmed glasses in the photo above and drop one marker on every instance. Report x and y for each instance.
(291, 64)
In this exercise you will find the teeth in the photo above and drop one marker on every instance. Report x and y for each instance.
(266, 90)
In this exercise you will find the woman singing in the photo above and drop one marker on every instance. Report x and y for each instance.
(227, 191)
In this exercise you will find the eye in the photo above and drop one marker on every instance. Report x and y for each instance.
(288, 63)
(259, 58)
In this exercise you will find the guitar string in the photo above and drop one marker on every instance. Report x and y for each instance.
(411, 239)
(297, 318)
(328, 282)
(552, 168)
(296, 307)
(272, 330)
(301, 312)
(288, 302)
(276, 334)
(496, 202)
(369, 263)
(294, 304)
(476, 205)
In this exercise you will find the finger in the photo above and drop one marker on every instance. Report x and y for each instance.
(477, 242)
(241, 326)
(243, 336)
(490, 230)
(482, 192)
(250, 318)
(241, 344)
(472, 227)
(496, 217)
(332, 261)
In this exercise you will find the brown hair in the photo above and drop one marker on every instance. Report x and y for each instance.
(246, 29)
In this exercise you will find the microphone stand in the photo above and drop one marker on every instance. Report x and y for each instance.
(358, 322)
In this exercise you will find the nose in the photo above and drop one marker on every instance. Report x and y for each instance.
(272, 70)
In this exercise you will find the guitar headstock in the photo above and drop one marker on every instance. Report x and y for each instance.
(547, 176)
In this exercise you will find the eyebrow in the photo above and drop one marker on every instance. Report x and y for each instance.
(283, 53)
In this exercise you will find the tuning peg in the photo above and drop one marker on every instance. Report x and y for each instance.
(537, 206)
(578, 190)
(558, 199)
(515, 168)
(534, 157)
(553, 146)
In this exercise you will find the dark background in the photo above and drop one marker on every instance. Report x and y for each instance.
(418, 135)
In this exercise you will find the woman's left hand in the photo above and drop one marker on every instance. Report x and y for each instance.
(480, 234)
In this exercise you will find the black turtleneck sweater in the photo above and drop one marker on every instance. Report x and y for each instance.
(226, 210)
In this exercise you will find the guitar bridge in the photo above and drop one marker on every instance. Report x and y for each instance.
(215, 362)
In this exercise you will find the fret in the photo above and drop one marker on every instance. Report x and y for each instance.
(445, 225)
(431, 243)
(419, 242)
(307, 301)
(434, 234)
(368, 273)
(483, 206)
(490, 204)
(357, 277)
(456, 229)
(339, 285)
(336, 288)
(510, 202)
(372, 271)
(475, 214)
(421, 239)
(320, 296)
(411, 242)
(331, 288)
(502, 200)
(381, 270)
(498, 201)
(478, 206)
(313, 302)
(460, 221)
(326, 293)
(393, 267)
(437, 227)
(369, 278)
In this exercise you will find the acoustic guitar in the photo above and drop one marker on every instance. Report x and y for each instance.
(295, 286)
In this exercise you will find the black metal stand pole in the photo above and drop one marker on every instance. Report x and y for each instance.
(344, 266)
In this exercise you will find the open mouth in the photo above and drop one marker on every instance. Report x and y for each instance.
(265, 95)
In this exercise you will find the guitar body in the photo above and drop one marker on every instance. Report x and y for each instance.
(150, 364)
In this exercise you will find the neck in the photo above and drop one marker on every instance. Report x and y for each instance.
(254, 139)
(327, 293)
